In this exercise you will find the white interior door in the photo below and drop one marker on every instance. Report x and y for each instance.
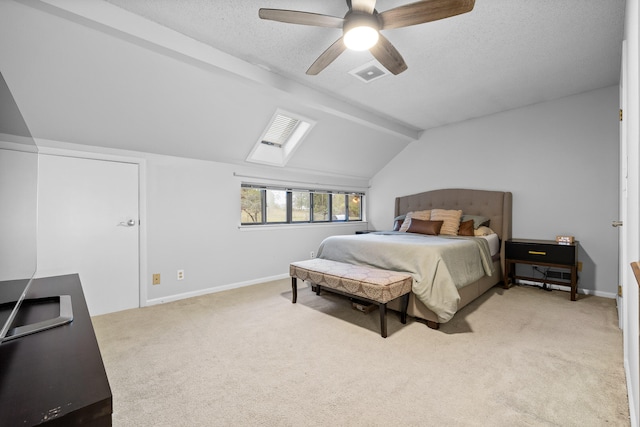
(88, 224)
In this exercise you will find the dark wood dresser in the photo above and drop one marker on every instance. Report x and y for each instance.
(55, 377)
(546, 253)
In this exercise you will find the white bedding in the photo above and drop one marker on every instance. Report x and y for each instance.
(494, 243)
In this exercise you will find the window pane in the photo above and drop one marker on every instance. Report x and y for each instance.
(355, 207)
(338, 207)
(251, 205)
(301, 206)
(276, 205)
(320, 207)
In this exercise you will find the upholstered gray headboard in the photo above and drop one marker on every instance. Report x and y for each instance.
(496, 205)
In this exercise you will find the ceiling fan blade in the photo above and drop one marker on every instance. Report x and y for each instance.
(366, 6)
(302, 18)
(423, 11)
(327, 57)
(388, 56)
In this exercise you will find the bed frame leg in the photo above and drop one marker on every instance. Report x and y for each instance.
(383, 319)
(294, 290)
(432, 324)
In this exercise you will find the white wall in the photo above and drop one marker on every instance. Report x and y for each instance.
(193, 214)
(559, 159)
(18, 213)
(190, 217)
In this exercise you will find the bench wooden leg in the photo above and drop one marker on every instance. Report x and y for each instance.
(404, 307)
(294, 290)
(383, 319)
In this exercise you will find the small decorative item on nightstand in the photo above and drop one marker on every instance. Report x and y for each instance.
(564, 240)
(547, 253)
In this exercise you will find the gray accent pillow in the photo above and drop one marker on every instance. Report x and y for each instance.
(478, 220)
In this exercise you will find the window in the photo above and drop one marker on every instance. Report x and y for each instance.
(271, 205)
(300, 206)
(321, 207)
(251, 201)
(338, 207)
(280, 139)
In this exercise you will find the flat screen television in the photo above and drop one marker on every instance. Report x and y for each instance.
(19, 223)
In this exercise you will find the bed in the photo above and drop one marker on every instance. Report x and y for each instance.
(445, 279)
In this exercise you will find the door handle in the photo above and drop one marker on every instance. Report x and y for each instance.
(616, 223)
(129, 223)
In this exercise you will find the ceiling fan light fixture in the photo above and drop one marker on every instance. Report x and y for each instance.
(361, 38)
(360, 31)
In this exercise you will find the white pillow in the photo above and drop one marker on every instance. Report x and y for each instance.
(423, 215)
(483, 231)
(494, 243)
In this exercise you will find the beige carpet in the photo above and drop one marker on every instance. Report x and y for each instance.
(517, 357)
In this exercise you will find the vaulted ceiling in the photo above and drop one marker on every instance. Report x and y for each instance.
(201, 79)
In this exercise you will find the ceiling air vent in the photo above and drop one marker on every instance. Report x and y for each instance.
(281, 137)
(369, 72)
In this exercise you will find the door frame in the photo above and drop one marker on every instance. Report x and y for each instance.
(623, 257)
(62, 149)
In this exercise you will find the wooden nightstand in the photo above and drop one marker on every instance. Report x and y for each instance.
(546, 253)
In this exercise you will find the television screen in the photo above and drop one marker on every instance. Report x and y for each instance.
(18, 207)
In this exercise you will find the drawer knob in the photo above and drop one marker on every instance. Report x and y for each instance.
(537, 253)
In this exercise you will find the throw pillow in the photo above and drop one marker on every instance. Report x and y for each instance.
(425, 227)
(483, 231)
(466, 228)
(478, 220)
(422, 215)
(451, 218)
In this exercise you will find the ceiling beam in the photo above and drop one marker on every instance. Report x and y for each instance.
(116, 22)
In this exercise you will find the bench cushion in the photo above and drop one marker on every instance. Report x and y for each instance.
(358, 280)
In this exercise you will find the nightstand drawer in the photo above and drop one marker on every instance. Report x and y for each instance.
(541, 251)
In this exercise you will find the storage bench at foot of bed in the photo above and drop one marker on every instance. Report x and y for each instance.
(366, 283)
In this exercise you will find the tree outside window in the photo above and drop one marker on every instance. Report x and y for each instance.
(338, 207)
(300, 206)
(251, 205)
(320, 207)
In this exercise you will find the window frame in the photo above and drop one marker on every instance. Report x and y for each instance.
(264, 220)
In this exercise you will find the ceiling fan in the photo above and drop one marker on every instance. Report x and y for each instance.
(362, 24)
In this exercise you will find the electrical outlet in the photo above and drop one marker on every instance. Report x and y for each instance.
(156, 279)
(313, 254)
(579, 265)
(180, 274)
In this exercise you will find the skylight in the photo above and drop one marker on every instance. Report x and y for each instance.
(280, 139)
(280, 130)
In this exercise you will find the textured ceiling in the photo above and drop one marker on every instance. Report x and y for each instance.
(502, 55)
(201, 79)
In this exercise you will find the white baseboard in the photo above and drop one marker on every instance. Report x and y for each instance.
(611, 295)
(200, 292)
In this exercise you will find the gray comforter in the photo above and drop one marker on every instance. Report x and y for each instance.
(439, 264)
